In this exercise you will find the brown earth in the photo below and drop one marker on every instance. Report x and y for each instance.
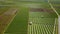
(41, 10)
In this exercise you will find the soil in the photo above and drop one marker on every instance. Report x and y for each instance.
(41, 10)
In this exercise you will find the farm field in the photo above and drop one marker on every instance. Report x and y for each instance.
(5, 18)
(42, 25)
(19, 23)
(43, 18)
(56, 5)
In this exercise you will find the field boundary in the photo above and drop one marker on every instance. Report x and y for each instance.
(10, 22)
(53, 8)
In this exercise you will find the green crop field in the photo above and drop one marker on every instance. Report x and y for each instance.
(39, 12)
(41, 25)
(19, 23)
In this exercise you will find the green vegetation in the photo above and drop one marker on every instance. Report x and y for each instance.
(56, 5)
(19, 25)
(41, 25)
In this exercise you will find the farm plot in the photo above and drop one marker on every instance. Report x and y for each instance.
(56, 5)
(42, 25)
(42, 22)
(5, 19)
(19, 23)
